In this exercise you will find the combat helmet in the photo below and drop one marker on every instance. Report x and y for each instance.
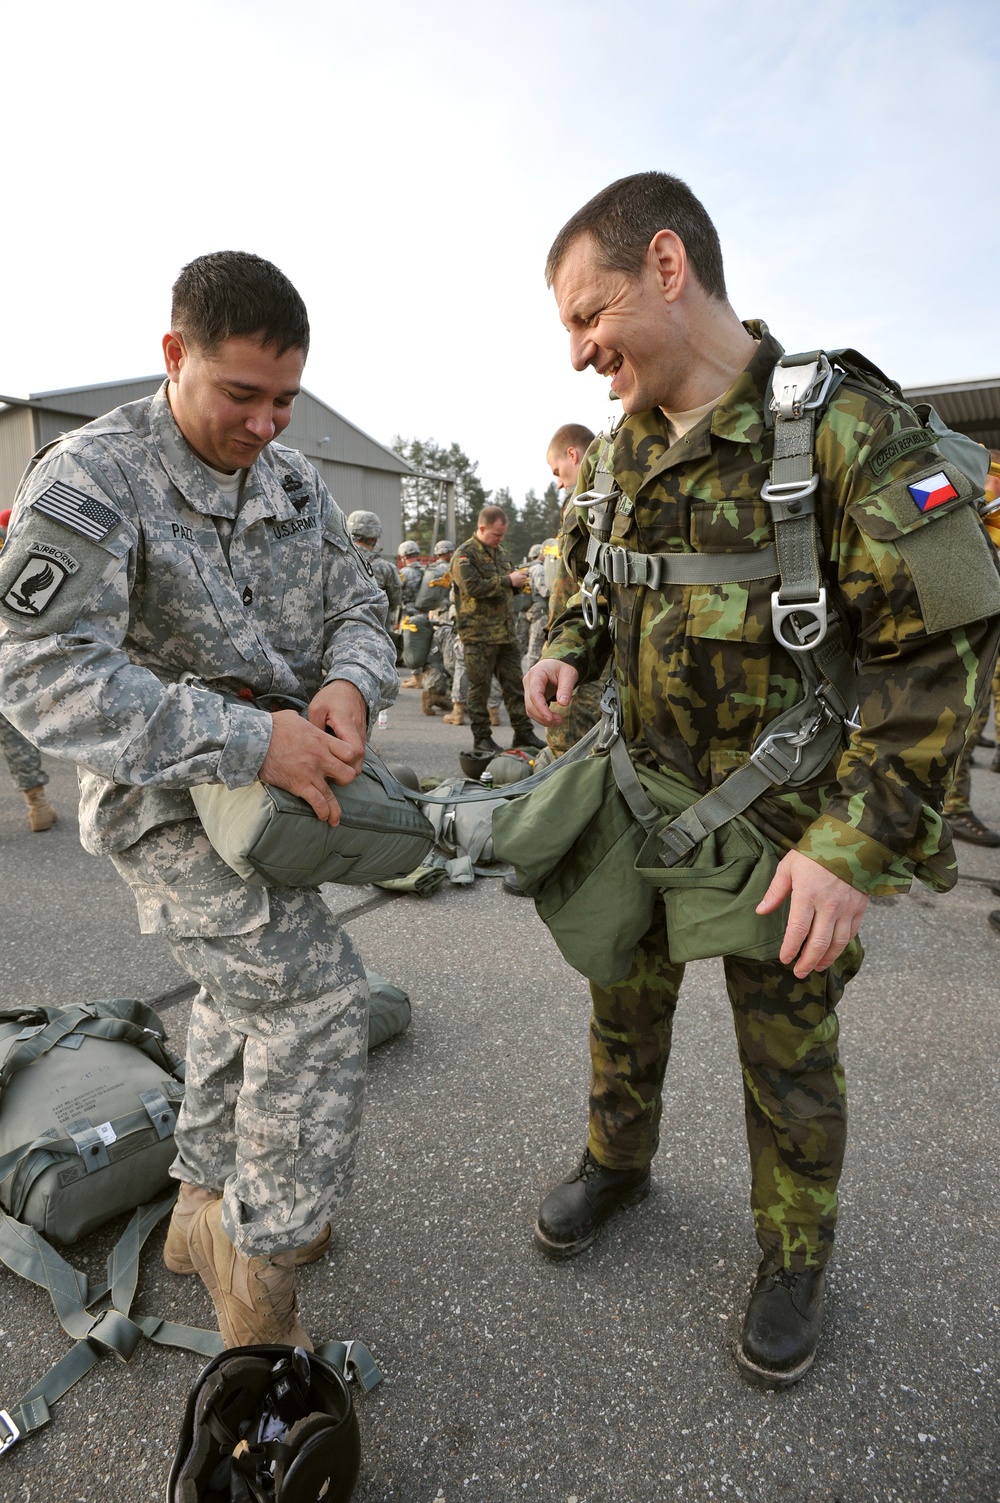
(267, 1422)
(444, 546)
(409, 549)
(534, 552)
(364, 524)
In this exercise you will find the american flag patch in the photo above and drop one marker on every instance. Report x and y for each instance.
(77, 510)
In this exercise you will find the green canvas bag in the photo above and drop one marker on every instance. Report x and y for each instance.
(88, 1102)
(272, 838)
(596, 873)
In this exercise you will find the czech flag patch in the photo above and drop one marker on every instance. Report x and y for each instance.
(933, 490)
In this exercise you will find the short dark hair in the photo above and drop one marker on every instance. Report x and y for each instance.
(570, 436)
(623, 218)
(232, 293)
(491, 514)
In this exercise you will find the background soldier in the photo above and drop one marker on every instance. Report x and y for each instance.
(564, 456)
(411, 575)
(638, 280)
(165, 565)
(434, 597)
(365, 528)
(485, 583)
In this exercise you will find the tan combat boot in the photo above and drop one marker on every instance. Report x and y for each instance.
(456, 717)
(41, 815)
(254, 1298)
(177, 1254)
(415, 681)
(427, 701)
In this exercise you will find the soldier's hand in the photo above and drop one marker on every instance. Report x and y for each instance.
(546, 681)
(518, 578)
(340, 710)
(824, 916)
(301, 758)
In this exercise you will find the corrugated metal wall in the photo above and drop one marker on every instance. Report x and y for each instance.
(361, 473)
(17, 444)
(357, 489)
(50, 425)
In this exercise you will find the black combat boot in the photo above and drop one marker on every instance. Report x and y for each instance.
(782, 1325)
(573, 1212)
(527, 737)
(484, 746)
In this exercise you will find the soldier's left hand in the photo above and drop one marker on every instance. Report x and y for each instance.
(340, 709)
(824, 916)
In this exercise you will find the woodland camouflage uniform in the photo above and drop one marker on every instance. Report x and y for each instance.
(700, 675)
(485, 624)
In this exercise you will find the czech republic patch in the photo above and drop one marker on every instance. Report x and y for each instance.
(932, 490)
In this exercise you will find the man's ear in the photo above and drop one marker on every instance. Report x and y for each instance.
(174, 352)
(669, 261)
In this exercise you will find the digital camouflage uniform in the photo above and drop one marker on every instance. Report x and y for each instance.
(409, 580)
(386, 576)
(139, 602)
(485, 624)
(538, 611)
(434, 596)
(700, 675)
(24, 761)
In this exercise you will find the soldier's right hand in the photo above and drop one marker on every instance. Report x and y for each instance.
(546, 681)
(300, 760)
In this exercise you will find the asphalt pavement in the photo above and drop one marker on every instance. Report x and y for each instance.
(610, 1378)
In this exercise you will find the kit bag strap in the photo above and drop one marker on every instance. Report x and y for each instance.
(354, 1360)
(113, 1331)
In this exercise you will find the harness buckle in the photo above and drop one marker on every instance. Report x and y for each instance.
(13, 1433)
(778, 755)
(789, 493)
(801, 388)
(808, 633)
(616, 565)
(611, 718)
(588, 598)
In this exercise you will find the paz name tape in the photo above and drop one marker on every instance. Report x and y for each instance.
(77, 510)
(933, 490)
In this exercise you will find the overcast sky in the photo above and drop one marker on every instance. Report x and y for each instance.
(408, 164)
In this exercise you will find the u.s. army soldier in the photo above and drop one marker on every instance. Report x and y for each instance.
(166, 566)
(681, 584)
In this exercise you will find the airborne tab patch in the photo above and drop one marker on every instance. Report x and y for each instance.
(77, 510)
(37, 585)
(932, 490)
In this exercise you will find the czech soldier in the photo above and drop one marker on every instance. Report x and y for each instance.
(168, 565)
(701, 672)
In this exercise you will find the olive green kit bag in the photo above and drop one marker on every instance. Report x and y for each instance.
(272, 838)
(596, 869)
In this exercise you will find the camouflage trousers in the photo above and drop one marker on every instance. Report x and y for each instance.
(583, 713)
(482, 661)
(460, 679)
(23, 759)
(277, 1042)
(795, 1099)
